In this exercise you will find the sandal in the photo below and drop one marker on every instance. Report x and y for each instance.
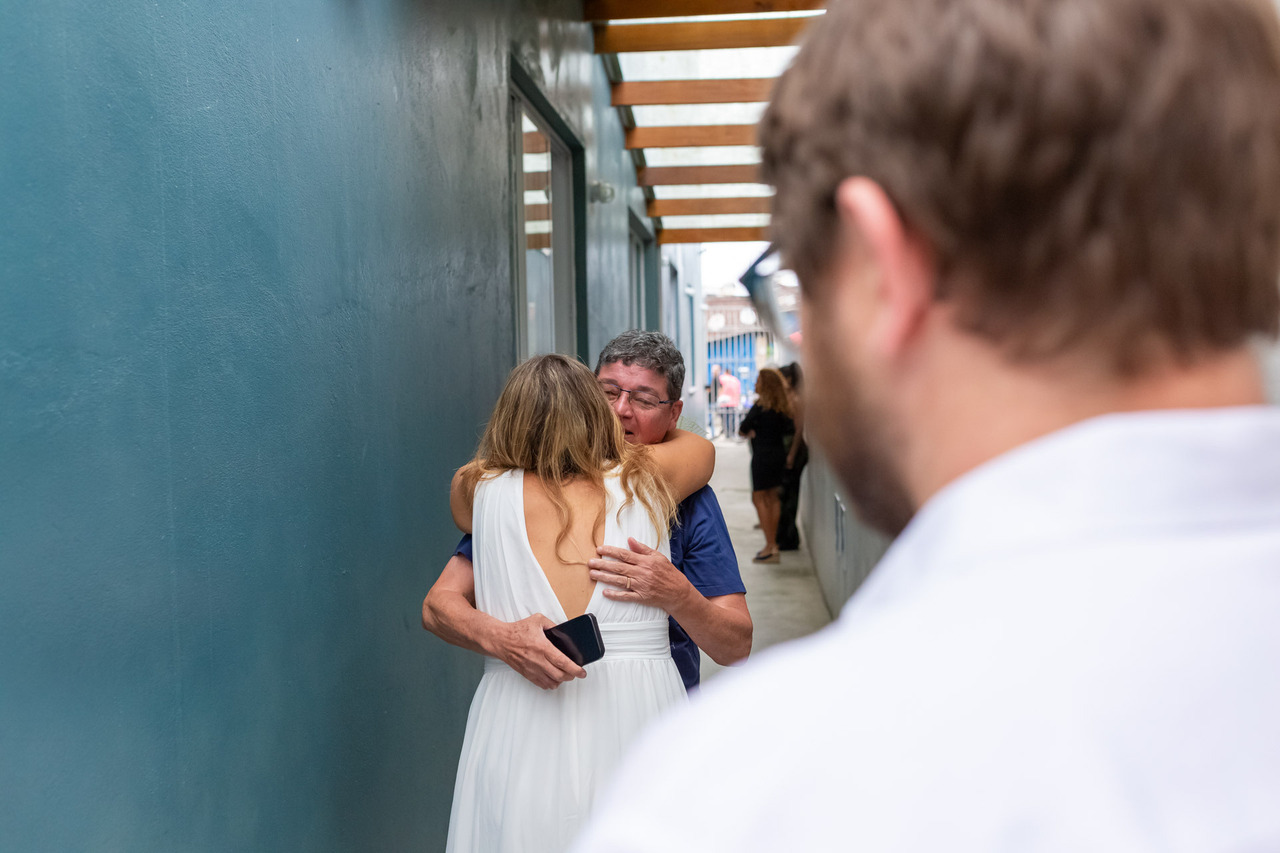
(766, 557)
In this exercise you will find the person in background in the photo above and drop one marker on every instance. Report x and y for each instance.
(770, 428)
(797, 457)
(729, 402)
(1037, 243)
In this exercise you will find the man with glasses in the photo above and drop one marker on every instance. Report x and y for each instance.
(641, 373)
(1036, 241)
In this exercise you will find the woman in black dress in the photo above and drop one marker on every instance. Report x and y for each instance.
(770, 427)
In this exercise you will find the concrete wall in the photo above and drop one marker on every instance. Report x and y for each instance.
(682, 321)
(608, 224)
(844, 550)
(255, 302)
(1271, 370)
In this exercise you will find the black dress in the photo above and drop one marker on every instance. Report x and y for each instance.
(788, 533)
(768, 447)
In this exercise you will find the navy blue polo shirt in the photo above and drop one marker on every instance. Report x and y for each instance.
(702, 550)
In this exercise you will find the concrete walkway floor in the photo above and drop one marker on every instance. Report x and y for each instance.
(784, 598)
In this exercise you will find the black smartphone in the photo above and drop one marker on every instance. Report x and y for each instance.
(579, 639)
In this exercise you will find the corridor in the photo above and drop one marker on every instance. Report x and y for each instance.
(784, 598)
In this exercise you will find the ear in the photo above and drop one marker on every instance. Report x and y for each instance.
(900, 265)
(676, 408)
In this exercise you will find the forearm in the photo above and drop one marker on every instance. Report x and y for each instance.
(453, 618)
(719, 626)
(449, 611)
(686, 461)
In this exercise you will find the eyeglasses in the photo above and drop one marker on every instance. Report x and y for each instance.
(642, 400)
(775, 294)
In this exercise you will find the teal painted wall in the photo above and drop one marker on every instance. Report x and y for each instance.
(255, 304)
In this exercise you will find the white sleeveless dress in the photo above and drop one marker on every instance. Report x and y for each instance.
(533, 760)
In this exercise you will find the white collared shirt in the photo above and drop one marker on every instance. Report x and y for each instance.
(1075, 646)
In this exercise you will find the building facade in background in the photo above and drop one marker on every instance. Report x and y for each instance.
(737, 347)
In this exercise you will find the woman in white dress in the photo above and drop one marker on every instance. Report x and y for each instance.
(553, 479)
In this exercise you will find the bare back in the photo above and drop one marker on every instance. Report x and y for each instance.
(566, 570)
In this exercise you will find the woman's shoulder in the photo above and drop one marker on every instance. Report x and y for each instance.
(613, 477)
(499, 480)
(505, 474)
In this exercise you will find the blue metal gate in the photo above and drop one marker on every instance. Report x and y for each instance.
(743, 356)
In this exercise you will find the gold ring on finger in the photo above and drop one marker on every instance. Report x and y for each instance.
(628, 584)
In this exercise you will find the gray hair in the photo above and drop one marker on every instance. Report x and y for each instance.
(649, 350)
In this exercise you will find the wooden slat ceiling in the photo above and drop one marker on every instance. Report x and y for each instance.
(668, 92)
(605, 10)
(702, 35)
(707, 206)
(627, 26)
(660, 176)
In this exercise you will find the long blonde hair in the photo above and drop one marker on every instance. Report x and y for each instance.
(552, 419)
(771, 391)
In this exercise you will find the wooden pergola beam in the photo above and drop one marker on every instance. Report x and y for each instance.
(708, 206)
(690, 136)
(537, 181)
(667, 236)
(655, 176)
(698, 35)
(605, 10)
(535, 142)
(663, 92)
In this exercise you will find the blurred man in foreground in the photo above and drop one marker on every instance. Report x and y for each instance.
(1035, 240)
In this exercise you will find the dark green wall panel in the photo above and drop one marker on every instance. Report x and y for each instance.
(254, 306)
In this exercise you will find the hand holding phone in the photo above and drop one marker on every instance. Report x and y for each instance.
(578, 639)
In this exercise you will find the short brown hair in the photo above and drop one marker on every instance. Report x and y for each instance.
(1098, 175)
